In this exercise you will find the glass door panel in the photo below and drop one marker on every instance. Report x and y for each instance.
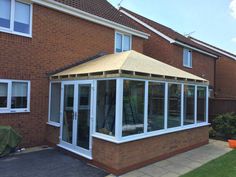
(68, 114)
(83, 123)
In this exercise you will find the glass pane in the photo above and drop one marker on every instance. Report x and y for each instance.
(186, 51)
(83, 123)
(106, 107)
(22, 18)
(126, 43)
(133, 107)
(5, 13)
(156, 105)
(68, 113)
(201, 104)
(55, 102)
(118, 42)
(19, 95)
(189, 95)
(174, 105)
(3, 95)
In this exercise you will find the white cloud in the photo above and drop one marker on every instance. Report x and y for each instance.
(232, 7)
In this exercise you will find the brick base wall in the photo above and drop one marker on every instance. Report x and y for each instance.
(52, 135)
(121, 158)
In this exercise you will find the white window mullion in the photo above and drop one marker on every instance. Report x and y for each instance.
(119, 108)
(12, 15)
(166, 106)
(182, 105)
(207, 103)
(146, 107)
(195, 106)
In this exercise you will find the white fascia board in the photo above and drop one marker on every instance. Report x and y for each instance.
(90, 17)
(172, 41)
(214, 49)
(148, 27)
(195, 49)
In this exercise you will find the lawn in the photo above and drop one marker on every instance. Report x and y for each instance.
(224, 166)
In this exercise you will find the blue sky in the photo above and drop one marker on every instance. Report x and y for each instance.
(211, 21)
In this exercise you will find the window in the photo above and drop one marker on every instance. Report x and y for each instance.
(122, 42)
(14, 96)
(16, 20)
(201, 104)
(133, 107)
(106, 107)
(5, 13)
(156, 106)
(3, 95)
(55, 102)
(189, 96)
(187, 58)
(19, 95)
(174, 105)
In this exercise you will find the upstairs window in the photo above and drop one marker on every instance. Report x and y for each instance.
(15, 17)
(187, 58)
(122, 42)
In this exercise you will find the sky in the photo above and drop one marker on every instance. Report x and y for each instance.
(212, 21)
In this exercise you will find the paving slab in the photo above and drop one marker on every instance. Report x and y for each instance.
(184, 162)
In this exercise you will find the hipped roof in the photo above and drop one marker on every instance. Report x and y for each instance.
(130, 61)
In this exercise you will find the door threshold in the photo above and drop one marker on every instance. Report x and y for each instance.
(75, 152)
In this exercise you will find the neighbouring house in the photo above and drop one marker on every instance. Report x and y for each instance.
(74, 74)
(225, 73)
(171, 47)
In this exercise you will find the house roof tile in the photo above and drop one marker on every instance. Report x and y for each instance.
(103, 9)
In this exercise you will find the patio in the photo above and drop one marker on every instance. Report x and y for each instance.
(46, 163)
(182, 163)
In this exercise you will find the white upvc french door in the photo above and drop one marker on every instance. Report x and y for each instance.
(76, 117)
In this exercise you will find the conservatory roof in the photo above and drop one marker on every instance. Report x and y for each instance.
(126, 63)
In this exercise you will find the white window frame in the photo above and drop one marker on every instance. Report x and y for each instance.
(8, 109)
(12, 17)
(56, 124)
(122, 45)
(119, 107)
(189, 58)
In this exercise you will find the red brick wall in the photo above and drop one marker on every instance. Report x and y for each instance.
(58, 40)
(162, 50)
(226, 78)
(121, 158)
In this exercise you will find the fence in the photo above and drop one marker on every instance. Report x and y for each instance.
(221, 105)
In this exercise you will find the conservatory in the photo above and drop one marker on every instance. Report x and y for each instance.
(123, 111)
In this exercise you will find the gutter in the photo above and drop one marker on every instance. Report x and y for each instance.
(90, 17)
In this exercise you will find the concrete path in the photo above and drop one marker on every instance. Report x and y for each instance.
(182, 163)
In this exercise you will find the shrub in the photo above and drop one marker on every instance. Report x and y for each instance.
(212, 133)
(225, 125)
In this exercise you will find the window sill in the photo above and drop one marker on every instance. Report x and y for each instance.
(148, 134)
(15, 33)
(54, 124)
(189, 67)
(12, 111)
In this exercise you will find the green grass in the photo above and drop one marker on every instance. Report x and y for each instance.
(224, 166)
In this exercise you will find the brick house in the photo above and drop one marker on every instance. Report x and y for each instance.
(177, 50)
(225, 73)
(62, 84)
